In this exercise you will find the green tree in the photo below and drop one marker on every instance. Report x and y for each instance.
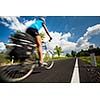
(73, 53)
(42, 35)
(58, 50)
(68, 55)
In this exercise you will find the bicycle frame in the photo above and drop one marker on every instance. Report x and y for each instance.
(44, 45)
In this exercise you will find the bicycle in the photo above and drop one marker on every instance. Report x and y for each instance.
(23, 43)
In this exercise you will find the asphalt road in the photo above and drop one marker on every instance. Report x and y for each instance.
(62, 72)
(88, 73)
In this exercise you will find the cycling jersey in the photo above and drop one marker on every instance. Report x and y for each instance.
(37, 25)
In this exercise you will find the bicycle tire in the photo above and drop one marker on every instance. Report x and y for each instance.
(50, 64)
(49, 61)
(15, 73)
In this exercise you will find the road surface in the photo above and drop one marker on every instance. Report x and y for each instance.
(64, 71)
(61, 72)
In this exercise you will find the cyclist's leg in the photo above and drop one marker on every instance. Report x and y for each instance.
(39, 46)
(40, 52)
(38, 40)
(35, 34)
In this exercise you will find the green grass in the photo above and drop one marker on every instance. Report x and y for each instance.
(88, 60)
(60, 58)
(98, 60)
(4, 59)
(56, 58)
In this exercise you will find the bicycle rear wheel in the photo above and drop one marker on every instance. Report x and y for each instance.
(15, 73)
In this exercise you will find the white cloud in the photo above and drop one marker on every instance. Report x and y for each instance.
(2, 47)
(94, 30)
(13, 23)
(4, 23)
(83, 42)
(60, 40)
(66, 36)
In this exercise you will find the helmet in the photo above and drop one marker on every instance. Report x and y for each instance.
(41, 18)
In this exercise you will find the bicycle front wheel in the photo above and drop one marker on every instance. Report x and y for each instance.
(15, 73)
(49, 61)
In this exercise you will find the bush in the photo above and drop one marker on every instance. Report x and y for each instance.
(4, 59)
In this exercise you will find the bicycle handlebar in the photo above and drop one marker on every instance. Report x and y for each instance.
(47, 41)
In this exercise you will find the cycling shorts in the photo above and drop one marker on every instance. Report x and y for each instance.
(33, 32)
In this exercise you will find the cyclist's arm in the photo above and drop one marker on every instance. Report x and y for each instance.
(47, 31)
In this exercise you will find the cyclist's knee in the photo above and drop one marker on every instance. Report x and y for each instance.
(38, 40)
(39, 45)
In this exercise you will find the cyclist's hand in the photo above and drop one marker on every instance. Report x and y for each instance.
(50, 39)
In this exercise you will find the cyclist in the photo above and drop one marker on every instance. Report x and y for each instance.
(33, 30)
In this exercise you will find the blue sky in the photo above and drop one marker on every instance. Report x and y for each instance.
(72, 28)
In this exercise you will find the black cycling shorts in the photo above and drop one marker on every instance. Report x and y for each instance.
(33, 32)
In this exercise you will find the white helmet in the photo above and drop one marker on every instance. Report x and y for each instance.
(41, 18)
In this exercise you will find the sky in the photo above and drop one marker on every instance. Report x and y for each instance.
(68, 32)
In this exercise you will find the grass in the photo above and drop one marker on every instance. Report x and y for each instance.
(3, 59)
(60, 58)
(56, 58)
(98, 60)
(88, 60)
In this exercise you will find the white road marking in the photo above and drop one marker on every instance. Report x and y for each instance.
(75, 76)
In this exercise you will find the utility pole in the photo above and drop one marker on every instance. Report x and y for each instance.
(92, 56)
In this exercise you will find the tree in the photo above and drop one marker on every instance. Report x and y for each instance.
(58, 50)
(42, 35)
(68, 55)
(73, 53)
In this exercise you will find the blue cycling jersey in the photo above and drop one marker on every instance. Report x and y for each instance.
(37, 25)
